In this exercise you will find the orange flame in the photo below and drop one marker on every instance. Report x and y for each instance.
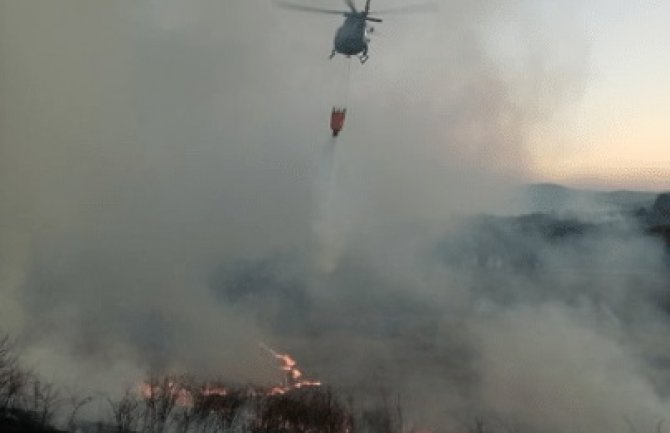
(293, 374)
(184, 397)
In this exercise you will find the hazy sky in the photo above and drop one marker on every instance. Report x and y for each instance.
(618, 134)
(601, 69)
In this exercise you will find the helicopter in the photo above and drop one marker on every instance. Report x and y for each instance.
(352, 38)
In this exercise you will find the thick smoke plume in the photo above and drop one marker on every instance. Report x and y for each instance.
(158, 162)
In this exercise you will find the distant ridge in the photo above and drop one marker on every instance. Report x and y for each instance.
(547, 197)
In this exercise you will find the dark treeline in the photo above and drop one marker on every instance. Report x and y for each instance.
(27, 404)
(181, 404)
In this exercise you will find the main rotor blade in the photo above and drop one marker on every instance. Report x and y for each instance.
(351, 5)
(309, 8)
(417, 8)
(376, 20)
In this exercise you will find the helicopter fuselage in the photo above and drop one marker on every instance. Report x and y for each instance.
(351, 38)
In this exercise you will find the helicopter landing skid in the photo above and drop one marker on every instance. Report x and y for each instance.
(364, 58)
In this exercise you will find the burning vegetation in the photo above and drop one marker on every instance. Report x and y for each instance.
(182, 404)
(186, 394)
(172, 403)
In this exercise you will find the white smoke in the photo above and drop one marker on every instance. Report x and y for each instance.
(158, 212)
